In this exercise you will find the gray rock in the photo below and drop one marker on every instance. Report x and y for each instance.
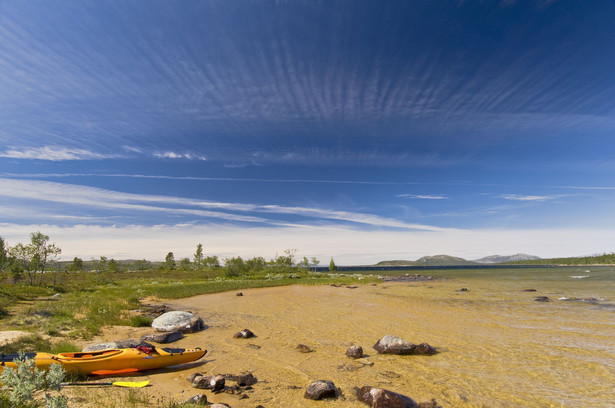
(321, 389)
(184, 322)
(193, 376)
(209, 382)
(127, 343)
(199, 399)
(394, 345)
(355, 352)
(101, 346)
(163, 338)
(220, 406)
(381, 398)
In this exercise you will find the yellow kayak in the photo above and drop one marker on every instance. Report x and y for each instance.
(112, 361)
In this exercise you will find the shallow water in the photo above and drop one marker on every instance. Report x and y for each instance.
(497, 346)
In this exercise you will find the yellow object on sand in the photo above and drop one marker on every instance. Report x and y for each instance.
(131, 384)
(112, 361)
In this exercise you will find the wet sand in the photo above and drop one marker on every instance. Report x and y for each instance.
(497, 347)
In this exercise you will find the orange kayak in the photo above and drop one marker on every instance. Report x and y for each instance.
(112, 361)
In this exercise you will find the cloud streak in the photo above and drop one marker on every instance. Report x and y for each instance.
(117, 201)
(53, 153)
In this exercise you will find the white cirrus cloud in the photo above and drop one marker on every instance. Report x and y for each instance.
(518, 197)
(175, 155)
(423, 196)
(52, 153)
(33, 191)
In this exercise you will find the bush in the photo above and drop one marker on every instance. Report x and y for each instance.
(20, 383)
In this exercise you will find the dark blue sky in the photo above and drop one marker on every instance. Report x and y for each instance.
(395, 129)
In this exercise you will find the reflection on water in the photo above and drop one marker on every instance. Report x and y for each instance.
(497, 346)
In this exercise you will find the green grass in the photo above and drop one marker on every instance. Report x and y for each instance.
(90, 300)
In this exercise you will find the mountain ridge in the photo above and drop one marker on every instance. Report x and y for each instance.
(447, 260)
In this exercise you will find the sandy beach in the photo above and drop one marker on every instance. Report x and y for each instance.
(496, 346)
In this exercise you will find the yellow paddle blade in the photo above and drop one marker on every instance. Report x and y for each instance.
(132, 384)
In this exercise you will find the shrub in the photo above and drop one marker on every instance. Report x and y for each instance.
(21, 382)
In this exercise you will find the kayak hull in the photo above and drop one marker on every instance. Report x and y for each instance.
(112, 361)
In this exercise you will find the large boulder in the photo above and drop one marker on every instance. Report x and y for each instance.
(381, 398)
(184, 322)
(394, 345)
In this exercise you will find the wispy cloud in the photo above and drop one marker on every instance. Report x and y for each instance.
(175, 155)
(424, 196)
(518, 197)
(53, 153)
(201, 209)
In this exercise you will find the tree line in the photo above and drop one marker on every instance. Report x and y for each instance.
(34, 259)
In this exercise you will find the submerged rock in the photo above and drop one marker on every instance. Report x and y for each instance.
(303, 348)
(394, 345)
(321, 389)
(244, 334)
(381, 398)
(184, 322)
(355, 352)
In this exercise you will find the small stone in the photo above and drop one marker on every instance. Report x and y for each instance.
(239, 294)
(244, 334)
(542, 299)
(355, 352)
(193, 376)
(303, 348)
(199, 399)
(246, 380)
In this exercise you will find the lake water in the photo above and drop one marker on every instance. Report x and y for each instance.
(498, 347)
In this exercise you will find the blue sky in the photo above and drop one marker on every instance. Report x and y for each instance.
(358, 130)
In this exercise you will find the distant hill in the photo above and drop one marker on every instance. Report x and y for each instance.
(398, 262)
(442, 260)
(494, 259)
